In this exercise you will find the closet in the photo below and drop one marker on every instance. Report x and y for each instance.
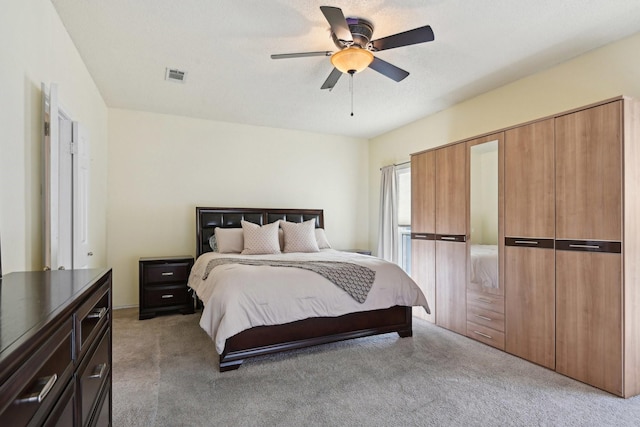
(567, 293)
(438, 235)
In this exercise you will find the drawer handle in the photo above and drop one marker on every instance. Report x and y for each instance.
(168, 273)
(483, 335)
(585, 246)
(451, 238)
(488, 319)
(98, 371)
(487, 300)
(167, 296)
(38, 396)
(97, 313)
(526, 242)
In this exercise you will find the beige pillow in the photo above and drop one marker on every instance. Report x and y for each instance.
(321, 238)
(230, 240)
(299, 237)
(260, 240)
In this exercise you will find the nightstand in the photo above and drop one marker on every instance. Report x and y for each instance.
(358, 251)
(163, 285)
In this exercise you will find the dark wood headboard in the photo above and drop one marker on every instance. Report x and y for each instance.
(207, 219)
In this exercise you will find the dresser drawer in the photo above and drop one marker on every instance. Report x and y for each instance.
(103, 415)
(485, 301)
(91, 316)
(486, 335)
(33, 389)
(62, 414)
(166, 273)
(159, 296)
(93, 375)
(484, 317)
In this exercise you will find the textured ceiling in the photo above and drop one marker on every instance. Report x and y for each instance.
(225, 45)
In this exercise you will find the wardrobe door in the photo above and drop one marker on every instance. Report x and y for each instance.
(588, 246)
(451, 236)
(423, 211)
(529, 243)
(589, 334)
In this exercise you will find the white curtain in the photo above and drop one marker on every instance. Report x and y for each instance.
(388, 226)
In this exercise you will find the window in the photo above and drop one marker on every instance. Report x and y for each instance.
(403, 178)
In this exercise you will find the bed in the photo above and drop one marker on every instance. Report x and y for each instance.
(254, 335)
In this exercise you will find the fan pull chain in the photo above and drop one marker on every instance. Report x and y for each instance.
(351, 90)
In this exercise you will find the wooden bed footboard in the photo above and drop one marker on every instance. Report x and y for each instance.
(263, 340)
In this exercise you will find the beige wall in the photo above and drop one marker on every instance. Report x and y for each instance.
(36, 48)
(603, 73)
(161, 167)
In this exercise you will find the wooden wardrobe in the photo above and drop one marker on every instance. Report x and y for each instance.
(569, 249)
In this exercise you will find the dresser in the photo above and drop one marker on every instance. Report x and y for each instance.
(55, 348)
(163, 285)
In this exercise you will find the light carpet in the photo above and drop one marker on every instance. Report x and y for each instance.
(165, 374)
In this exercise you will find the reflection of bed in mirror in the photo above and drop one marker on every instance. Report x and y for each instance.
(484, 265)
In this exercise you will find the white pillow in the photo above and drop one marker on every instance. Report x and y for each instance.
(300, 237)
(230, 240)
(260, 240)
(321, 238)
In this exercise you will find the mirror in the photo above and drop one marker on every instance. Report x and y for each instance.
(484, 216)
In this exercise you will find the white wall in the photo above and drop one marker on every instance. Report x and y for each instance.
(161, 167)
(601, 74)
(36, 48)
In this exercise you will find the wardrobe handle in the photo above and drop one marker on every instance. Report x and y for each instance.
(487, 300)
(526, 242)
(585, 246)
(484, 335)
(448, 238)
(488, 319)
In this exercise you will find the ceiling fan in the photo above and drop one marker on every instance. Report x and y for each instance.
(352, 36)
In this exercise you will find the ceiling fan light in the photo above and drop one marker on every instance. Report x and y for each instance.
(352, 59)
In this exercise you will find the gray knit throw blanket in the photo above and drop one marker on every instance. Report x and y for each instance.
(354, 279)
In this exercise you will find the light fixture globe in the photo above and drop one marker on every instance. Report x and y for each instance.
(352, 59)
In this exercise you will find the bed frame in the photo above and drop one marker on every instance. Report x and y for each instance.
(263, 340)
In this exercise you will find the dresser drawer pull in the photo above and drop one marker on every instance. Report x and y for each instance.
(168, 273)
(97, 313)
(526, 242)
(98, 371)
(487, 300)
(483, 335)
(47, 384)
(488, 319)
(167, 296)
(585, 246)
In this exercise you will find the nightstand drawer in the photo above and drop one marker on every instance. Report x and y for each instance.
(166, 273)
(159, 296)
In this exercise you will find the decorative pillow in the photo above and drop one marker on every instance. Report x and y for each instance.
(230, 240)
(281, 239)
(299, 237)
(260, 240)
(213, 243)
(321, 238)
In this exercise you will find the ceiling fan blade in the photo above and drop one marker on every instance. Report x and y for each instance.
(332, 79)
(389, 70)
(300, 55)
(338, 22)
(417, 35)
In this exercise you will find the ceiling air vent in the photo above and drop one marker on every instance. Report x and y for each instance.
(174, 75)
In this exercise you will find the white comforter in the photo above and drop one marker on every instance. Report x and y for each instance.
(239, 297)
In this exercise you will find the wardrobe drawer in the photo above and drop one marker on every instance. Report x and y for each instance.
(166, 273)
(36, 385)
(93, 375)
(484, 317)
(486, 335)
(485, 301)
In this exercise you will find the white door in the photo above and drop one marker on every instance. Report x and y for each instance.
(66, 174)
(81, 250)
